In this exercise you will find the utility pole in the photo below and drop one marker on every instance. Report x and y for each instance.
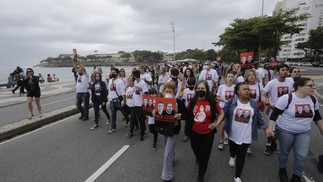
(262, 16)
(172, 24)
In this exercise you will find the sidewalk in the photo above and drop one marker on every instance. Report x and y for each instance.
(7, 98)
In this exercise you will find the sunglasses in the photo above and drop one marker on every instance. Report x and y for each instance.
(296, 71)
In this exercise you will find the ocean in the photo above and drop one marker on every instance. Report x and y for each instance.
(63, 73)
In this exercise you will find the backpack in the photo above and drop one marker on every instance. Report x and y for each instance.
(290, 98)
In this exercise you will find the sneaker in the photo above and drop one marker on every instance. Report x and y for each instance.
(268, 150)
(129, 135)
(154, 146)
(296, 178)
(108, 122)
(126, 125)
(220, 146)
(283, 175)
(237, 179)
(81, 118)
(226, 141)
(94, 126)
(249, 151)
(112, 130)
(185, 138)
(232, 162)
(85, 118)
(142, 138)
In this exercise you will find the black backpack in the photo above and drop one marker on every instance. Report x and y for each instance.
(290, 98)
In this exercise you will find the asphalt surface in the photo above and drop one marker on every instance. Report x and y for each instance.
(68, 150)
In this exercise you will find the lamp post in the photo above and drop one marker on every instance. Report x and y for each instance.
(262, 15)
(172, 24)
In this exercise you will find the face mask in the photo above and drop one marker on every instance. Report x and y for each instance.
(207, 67)
(174, 79)
(201, 93)
(191, 88)
(113, 76)
(168, 96)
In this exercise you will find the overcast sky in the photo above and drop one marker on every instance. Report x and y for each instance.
(32, 30)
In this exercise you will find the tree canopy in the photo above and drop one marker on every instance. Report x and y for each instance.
(314, 42)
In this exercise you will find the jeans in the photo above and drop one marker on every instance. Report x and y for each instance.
(85, 99)
(96, 106)
(114, 110)
(300, 143)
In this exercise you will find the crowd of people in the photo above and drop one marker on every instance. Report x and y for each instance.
(209, 96)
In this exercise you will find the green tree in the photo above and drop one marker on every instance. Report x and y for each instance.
(125, 56)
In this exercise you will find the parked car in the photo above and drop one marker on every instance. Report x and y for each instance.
(307, 64)
(316, 64)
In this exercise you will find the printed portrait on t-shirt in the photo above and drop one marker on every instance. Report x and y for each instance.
(253, 93)
(303, 111)
(201, 115)
(242, 115)
(189, 97)
(229, 94)
(97, 88)
(138, 90)
(112, 87)
(282, 91)
(208, 77)
(129, 95)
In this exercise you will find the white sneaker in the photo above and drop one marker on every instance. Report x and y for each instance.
(225, 142)
(237, 179)
(220, 146)
(232, 162)
(249, 151)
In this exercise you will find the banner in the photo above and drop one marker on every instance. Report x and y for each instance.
(246, 59)
(166, 108)
(148, 104)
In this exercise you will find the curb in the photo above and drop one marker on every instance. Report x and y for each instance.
(26, 125)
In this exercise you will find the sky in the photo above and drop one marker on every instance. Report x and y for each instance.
(33, 30)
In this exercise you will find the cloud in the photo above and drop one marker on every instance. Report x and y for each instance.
(36, 29)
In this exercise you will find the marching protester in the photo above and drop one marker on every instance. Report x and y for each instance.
(179, 86)
(151, 121)
(210, 75)
(294, 73)
(146, 77)
(82, 91)
(275, 89)
(129, 102)
(242, 120)
(116, 96)
(293, 114)
(31, 83)
(123, 77)
(137, 112)
(188, 73)
(174, 129)
(189, 92)
(225, 92)
(99, 98)
(203, 122)
(162, 79)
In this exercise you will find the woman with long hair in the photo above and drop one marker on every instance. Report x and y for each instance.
(242, 120)
(188, 73)
(203, 123)
(31, 83)
(294, 114)
(99, 98)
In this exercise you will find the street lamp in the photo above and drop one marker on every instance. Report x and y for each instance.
(262, 15)
(172, 24)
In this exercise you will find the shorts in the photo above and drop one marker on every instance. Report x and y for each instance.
(33, 94)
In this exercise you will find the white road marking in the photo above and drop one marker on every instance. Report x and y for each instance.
(35, 130)
(57, 101)
(105, 166)
(308, 179)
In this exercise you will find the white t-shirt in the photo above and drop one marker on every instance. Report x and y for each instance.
(82, 83)
(129, 96)
(211, 76)
(241, 127)
(277, 89)
(226, 93)
(299, 114)
(140, 89)
(254, 91)
(162, 79)
(125, 81)
(187, 95)
(260, 74)
(116, 85)
(151, 120)
(239, 79)
(148, 78)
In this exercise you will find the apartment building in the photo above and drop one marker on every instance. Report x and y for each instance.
(315, 9)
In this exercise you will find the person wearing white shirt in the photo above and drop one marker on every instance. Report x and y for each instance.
(209, 74)
(162, 79)
(137, 112)
(82, 91)
(116, 93)
(260, 73)
(146, 77)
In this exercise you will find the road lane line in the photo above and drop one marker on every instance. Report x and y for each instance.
(57, 101)
(105, 166)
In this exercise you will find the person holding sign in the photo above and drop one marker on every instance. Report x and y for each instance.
(203, 123)
(169, 128)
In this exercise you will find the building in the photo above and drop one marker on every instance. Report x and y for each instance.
(312, 7)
